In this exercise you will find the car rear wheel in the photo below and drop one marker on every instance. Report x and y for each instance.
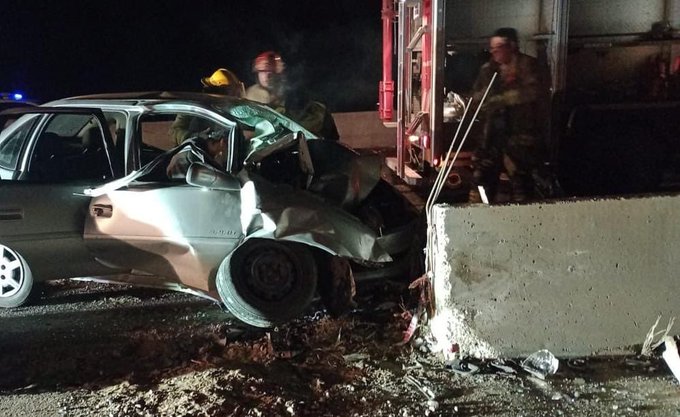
(16, 280)
(265, 282)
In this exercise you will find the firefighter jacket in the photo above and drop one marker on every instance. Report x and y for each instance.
(185, 126)
(262, 95)
(182, 160)
(316, 118)
(516, 102)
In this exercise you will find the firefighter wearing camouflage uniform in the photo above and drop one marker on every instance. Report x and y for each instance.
(512, 137)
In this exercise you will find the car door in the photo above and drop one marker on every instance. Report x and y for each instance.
(42, 205)
(163, 227)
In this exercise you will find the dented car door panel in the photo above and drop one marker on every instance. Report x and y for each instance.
(178, 232)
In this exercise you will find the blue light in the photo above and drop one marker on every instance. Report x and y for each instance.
(17, 96)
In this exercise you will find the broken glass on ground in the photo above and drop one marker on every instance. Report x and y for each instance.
(541, 364)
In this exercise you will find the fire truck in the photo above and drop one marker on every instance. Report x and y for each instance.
(608, 133)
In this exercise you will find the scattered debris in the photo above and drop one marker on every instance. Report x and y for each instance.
(421, 386)
(462, 367)
(504, 366)
(577, 364)
(426, 296)
(413, 325)
(670, 355)
(648, 346)
(541, 364)
(356, 357)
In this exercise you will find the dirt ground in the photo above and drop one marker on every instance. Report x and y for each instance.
(91, 349)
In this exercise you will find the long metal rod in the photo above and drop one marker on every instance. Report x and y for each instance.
(437, 79)
(435, 187)
(401, 24)
(434, 193)
(559, 45)
(446, 165)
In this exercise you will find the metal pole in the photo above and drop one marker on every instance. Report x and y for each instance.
(558, 54)
(559, 44)
(401, 25)
(437, 79)
(386, 99)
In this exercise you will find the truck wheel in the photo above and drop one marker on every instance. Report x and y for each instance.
(265, 282)
(16, 280)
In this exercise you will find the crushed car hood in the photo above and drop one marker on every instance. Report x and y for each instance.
(281, 212)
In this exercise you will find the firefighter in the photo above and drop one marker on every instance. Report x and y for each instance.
(222, 82)
(269, 69)
(512, 137)
(209, 148)
(310, 114)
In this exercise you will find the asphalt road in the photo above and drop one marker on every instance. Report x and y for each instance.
(93, 349)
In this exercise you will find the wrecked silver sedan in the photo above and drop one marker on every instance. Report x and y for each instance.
(85, 194)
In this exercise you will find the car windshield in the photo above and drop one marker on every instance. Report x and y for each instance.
(266, 125)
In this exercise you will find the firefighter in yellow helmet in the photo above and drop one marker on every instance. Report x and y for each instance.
(222, 82)
(269, 69)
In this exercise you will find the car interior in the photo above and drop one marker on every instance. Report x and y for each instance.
(60, 156)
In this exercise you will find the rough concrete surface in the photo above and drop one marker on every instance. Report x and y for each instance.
(91, 350)
(364, 130)
(575, 277)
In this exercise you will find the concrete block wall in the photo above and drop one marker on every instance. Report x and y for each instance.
(364, 130)
(573, 277)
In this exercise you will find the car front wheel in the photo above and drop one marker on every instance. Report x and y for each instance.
(16, 280)
(265, 282)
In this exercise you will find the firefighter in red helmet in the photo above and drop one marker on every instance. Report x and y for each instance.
(269, 69)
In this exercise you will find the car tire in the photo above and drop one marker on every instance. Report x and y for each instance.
(16, 280)
(264, 282)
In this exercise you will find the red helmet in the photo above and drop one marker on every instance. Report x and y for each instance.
(269, 61)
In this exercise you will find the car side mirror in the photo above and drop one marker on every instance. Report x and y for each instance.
(202, 175)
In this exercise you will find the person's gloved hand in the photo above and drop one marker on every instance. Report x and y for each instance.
(205, 133)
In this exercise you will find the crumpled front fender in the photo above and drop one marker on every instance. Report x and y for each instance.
(283, 213)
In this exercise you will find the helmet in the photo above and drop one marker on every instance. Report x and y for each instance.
(223, 80)
(269, 61)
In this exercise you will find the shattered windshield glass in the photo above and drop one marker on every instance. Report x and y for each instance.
(262, 125)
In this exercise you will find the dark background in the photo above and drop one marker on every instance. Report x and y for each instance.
(56, 48)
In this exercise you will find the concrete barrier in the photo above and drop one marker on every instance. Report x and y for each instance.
(573, 277)
(364, 130)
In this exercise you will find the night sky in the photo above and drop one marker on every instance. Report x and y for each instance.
(57, 48)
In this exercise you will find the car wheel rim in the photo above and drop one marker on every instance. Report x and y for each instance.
(270, 274)
(12, 273)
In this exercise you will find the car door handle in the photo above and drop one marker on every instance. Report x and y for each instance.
(102, 210)
(11, 214)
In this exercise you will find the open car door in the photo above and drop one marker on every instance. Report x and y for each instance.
(168, 230)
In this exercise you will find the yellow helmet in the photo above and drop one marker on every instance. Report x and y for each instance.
(224, 81)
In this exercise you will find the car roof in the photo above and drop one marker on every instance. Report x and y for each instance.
(139, 98)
